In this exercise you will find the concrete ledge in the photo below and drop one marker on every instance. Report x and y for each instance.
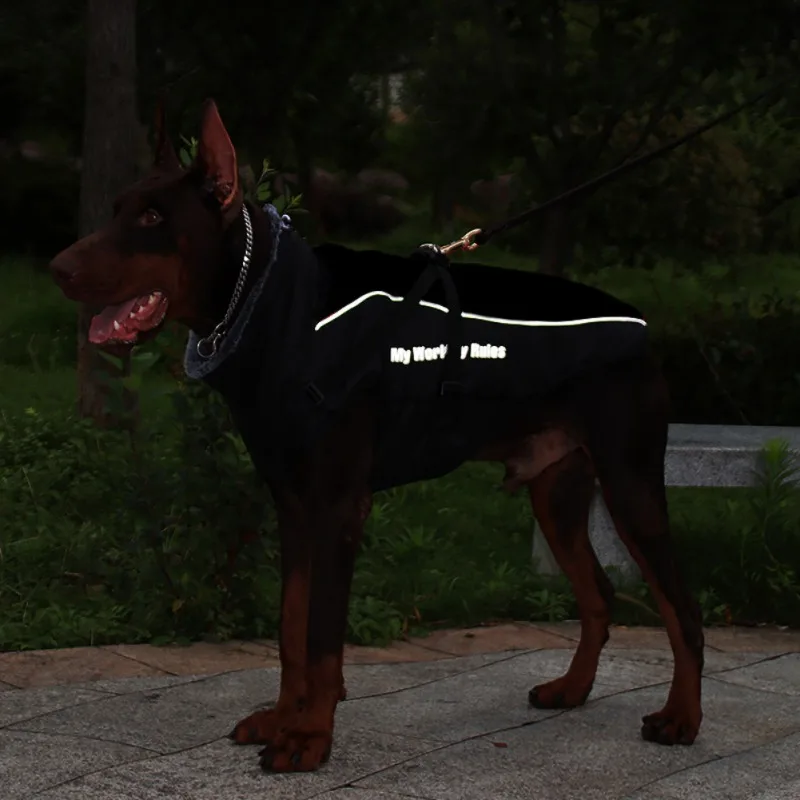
(697, 455)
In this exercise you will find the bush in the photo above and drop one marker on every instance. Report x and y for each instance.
(170, 537)
(736, 369)
(104, 540)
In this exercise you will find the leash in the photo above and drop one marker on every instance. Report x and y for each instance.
(477, 237)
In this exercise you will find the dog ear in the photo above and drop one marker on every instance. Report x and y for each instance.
(165, 156)
(216, 157)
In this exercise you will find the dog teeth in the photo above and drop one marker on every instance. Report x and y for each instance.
(117, 326)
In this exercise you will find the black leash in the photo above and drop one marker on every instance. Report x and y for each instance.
(478, 237)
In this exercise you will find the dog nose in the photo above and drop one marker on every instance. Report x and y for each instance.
(62, 270)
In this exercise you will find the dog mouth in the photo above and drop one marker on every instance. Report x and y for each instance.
(124, 323)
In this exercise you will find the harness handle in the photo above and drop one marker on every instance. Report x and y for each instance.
(362, 354)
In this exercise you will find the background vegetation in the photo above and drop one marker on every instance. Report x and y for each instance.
(398, 122)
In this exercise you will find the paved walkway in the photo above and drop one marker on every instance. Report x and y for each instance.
(435, 718)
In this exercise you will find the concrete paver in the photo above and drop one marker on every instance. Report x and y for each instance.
(45, 668)
(781, 674)
(758, 640)
(31, 703)
(200, 657)
(492, 639)
(435, 718)
(395, 653)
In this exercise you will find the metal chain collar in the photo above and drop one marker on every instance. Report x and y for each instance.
(207, 346)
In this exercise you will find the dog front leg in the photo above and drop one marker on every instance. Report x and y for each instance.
(307, 741)
(268, 726)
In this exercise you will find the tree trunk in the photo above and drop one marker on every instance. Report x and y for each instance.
(556, 247)
(110, 150)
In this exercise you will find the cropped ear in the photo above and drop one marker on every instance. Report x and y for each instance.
(216, 157)
(165, 156)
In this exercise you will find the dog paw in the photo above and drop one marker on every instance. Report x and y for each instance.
(263, 727)
(668, 727)
(560, 693)
(297, 751)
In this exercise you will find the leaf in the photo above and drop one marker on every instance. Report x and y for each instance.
(263, 192)
(132, 382)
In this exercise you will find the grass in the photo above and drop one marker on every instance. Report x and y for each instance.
(100, 546)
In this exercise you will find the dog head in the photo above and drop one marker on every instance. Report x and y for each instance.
(157, 257)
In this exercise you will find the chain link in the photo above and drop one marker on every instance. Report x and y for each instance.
(207, 346)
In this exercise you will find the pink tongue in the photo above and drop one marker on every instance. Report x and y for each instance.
(102, 327)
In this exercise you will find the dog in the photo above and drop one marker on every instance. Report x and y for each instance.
(347, 372)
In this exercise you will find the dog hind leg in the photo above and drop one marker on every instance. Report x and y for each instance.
(628, 453)
(561, 497)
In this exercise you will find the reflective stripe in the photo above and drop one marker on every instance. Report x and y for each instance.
(525, 323)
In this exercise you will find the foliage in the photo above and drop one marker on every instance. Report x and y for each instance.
(101, 543)
(541, 86)
(105, 544)
(536, 88)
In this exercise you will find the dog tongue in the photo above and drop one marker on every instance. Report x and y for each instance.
(102, 327)
(122, 323)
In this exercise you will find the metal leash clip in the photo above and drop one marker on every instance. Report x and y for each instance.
(464, 243)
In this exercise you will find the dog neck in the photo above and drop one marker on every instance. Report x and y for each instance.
(220, 290)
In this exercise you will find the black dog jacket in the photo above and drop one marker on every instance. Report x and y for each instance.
(447, 353)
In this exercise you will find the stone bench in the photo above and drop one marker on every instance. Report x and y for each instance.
(697, 455)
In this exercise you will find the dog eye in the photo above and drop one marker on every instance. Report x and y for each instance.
(149, 218)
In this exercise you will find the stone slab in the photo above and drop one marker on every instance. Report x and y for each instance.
(196, 658)
(131, 685)
(780, 675)
(351, 793)
(769, 771)
(491, 639)
(716, 664)
(490, 698)
(162, 721)
(720, 455)
(451, 728)
(593, 753)
(394, 653)
(70, 665)
(31, 703)
(223, 771)
(762, 639)
(368, 680)
(574, 756)
(32, 763)
(735, 718)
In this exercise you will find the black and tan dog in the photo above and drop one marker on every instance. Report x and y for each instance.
(348, 372)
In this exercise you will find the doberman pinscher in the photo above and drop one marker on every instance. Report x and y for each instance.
(184, 245)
